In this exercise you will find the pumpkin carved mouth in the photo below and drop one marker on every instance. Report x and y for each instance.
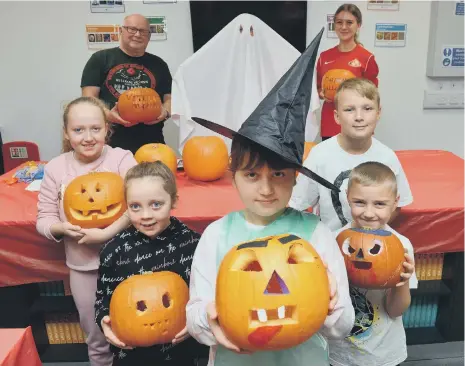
(104, 212)
(362, 265)
(285, 314)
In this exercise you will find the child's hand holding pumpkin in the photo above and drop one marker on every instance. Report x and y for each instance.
(215, 328)
(409, 268)
(333, 293)
(110, 336)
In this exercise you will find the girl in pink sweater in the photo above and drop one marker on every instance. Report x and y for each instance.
(86, 131)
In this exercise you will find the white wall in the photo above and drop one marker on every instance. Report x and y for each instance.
(44, 50)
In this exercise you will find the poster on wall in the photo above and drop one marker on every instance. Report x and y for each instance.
(383, 5)
(452, 56)
(459, 8)
(102, 36)
(107, 6)
(390, 35)
(331, 26)
(158, 28)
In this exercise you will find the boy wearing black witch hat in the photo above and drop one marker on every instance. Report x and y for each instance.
(265, 154)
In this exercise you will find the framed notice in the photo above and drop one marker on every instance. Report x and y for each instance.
(383, 5)
(390, 35)
(330, 29)
(107, 6)
(102, 36)
(158, 28)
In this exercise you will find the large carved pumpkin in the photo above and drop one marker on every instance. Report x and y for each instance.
(205, 158)
(94, 200)
(154, 152)
(374, 258)
(331, 81)
(272, 293)
(139, 105)
(149, 309)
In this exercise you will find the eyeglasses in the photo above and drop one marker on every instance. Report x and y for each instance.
(134, 30)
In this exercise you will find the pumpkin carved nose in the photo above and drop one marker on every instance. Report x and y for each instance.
(276, 286)
(360, 254)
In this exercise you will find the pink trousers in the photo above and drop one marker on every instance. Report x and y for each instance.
(83, 287)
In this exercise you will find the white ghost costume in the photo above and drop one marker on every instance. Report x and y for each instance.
(226, 79)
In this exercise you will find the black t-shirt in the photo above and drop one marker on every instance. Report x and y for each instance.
(114, 72)
(131, 253)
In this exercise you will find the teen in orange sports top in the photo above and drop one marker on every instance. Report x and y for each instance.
(350, 55)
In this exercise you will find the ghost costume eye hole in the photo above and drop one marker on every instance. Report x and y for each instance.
(251, 31)
(346, 248)
(377, 247)
(240, 29)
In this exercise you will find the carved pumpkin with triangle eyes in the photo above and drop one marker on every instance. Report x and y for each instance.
(94, 200)
(374, 258)
(272, 293)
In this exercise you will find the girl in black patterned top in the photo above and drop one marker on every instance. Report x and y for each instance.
(154, 242)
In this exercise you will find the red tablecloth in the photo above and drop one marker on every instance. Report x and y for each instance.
(17, 348)
(434, 222)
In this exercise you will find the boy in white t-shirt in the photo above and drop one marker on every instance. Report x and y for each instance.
(378, 335)
(357, 103)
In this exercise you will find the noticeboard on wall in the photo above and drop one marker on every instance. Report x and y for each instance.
(445, 48)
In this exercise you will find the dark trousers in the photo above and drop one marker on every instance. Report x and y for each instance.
(132, 138)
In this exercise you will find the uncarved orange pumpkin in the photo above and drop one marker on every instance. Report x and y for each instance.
(331, 81)
(139, 105)
(271, 293)
(374, 258)
(155, 152)
(205, 158)
(149, 309)
(94, 200)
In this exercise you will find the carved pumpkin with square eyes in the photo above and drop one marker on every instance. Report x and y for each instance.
(272, 293)
(374, 258)
(149, 309)
(94, 200)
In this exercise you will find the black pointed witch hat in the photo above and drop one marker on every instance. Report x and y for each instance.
(278, 123)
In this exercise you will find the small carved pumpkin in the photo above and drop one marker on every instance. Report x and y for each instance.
(374, 258)
(149, 309)
(94, 200)
(205, 158)
(154, 152)
(139, 105)
(272, 293)
(331, 81)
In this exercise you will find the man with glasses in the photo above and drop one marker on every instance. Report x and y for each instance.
(110, 72)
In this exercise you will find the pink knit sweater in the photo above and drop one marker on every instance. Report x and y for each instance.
(58, 173)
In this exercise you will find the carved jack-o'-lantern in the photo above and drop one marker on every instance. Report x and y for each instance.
(139, 105)
(331, 81)
(149, 309)
(373, 258)
(272, 293)
(94, 200)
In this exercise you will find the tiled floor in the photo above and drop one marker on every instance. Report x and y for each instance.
(441, 354)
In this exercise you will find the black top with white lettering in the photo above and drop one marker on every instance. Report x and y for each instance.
(131, 253)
